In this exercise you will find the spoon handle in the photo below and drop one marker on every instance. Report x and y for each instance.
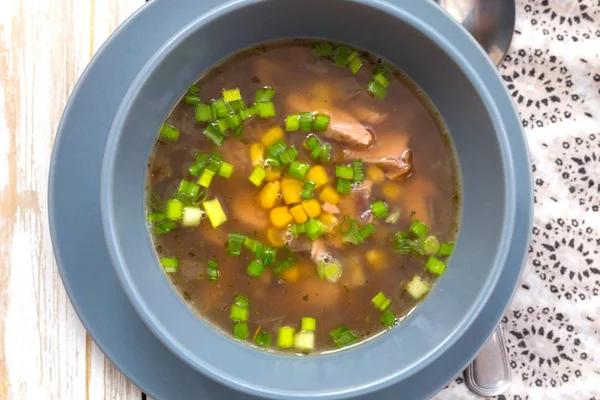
(489, 373)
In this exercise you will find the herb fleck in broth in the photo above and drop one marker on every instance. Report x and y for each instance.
(395, 259)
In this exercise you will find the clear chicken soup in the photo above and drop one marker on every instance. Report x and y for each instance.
(303, 197)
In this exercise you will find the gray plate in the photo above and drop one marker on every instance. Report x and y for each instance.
(82, 256)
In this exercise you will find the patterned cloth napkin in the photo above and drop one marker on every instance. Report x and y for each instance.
(553, 324)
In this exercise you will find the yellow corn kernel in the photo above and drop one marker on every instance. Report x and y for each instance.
(268, 195)
(274, 134)
(318, 174)
(257, 152)
(299, 214)
(329, 220)
(376, 259)
(329, 195)
(375, 174)
(275, 237)
(291, 274)
(273, 174)
(290, 189)
(312, 208)
(281, 216)
(391, 191)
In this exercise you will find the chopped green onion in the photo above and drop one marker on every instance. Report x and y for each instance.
(316, 152)
(359, 173)
(202, 158)
(193, 90)
(263, 339)
(237, 105)
(355, 64)
(325, 155)
(215, 212)
(393, 217)
(367, 231)
(206, 178)
(213, 110)
(169, 133)
(288, 155)
(380, 209)
(255, 269)
(353, 238)
(312, 142)
(314, 228)
(193, 189)
(388, 318)
(297, 229)
(239, 314)
(306, 121)
(321, 122)
(403, 244)
(258, 176)
(417, 287)
(446, 249)
(252, 245)
(156, 217)
(240, 330)
(430, 245)
(164, 227)
(247, 113)
(203, 113)
(214, 162)
(331, 271)
(193, 100)
(267, 255)
(298, 169)
(381, 302)
(343, 336)
(265, 110)
(234, 244)
(343, 55)
(170, 265)
(343, 186)
(308, 324)
(344, 172)
(285, 337)
(323, 49)
(264, 95)
(304, 341)
(234, 122)
(232, 95)
(223, 109)
(277, 148)
(223, 125)
(381, 79)
(241, 301)
(375, 89)
(226, 170)
(182, 189)
(292, 123)
(435, 266)
(192, 216)
(213, 270)
(174, 209)
(195, 169)
(308, 189)
(419, 229)
(213, 132)
(272, 162)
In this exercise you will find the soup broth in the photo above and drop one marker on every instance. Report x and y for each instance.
(320, 253)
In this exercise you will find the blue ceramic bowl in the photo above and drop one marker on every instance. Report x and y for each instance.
(393, 29)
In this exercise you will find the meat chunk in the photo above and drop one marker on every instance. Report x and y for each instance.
(368, 115)
(330, 208)
(317, 250)
(397, 168)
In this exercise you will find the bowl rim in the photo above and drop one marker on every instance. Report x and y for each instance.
(129, 285)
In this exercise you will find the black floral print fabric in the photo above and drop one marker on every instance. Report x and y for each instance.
(552, 71)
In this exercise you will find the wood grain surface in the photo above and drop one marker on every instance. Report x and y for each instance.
(45, 352)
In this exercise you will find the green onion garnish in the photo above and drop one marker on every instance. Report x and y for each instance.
(376, 90)
(343, 336)
(306, 121)
(255, 269)
(344, 172)
(213, 110)
(226, 170)
(203, 113)
(308, 189)
(234, 122)
(212, 270)
(169, 133)
(193, 190)
(215, 212)
(292, 123)
(239, 314)
(285, 337)
(359, 173)
(388, 318)
(343, 55)
(435, 266)
(257, 176)
(213, 132)
(355, 64)
(325, 155)
(265, 110)
(267, 255)
(234, 244)
(223, 125)
(237, 105)
(446, 249)
(264, 94)
(321, 122)
(174, 209)
(430, 245)
(182, 189)
(330, 271)
(367, 231)
(263, 339)
(419, 229)
(223, 108)
(277, 148)
(232, 95)
(193, 100)
(308, 324)
(252, 245)
(379, 209)
(297, 229)
(343, 186)
(156, 217)
(312, 142)
(193, 90)
(247, 113)
(272, 162)
(304, 341)
(164, 227)
(288, 155)
(195, 169)
(404, 244)
(241, 301)
(240, 330)
(323, 49)
(381, 79)
(298, 169)
(206, 178)
(191, 216)
(314, 228)
(170, 264)
(381, 302)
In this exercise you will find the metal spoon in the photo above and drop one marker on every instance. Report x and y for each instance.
(491, 22)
